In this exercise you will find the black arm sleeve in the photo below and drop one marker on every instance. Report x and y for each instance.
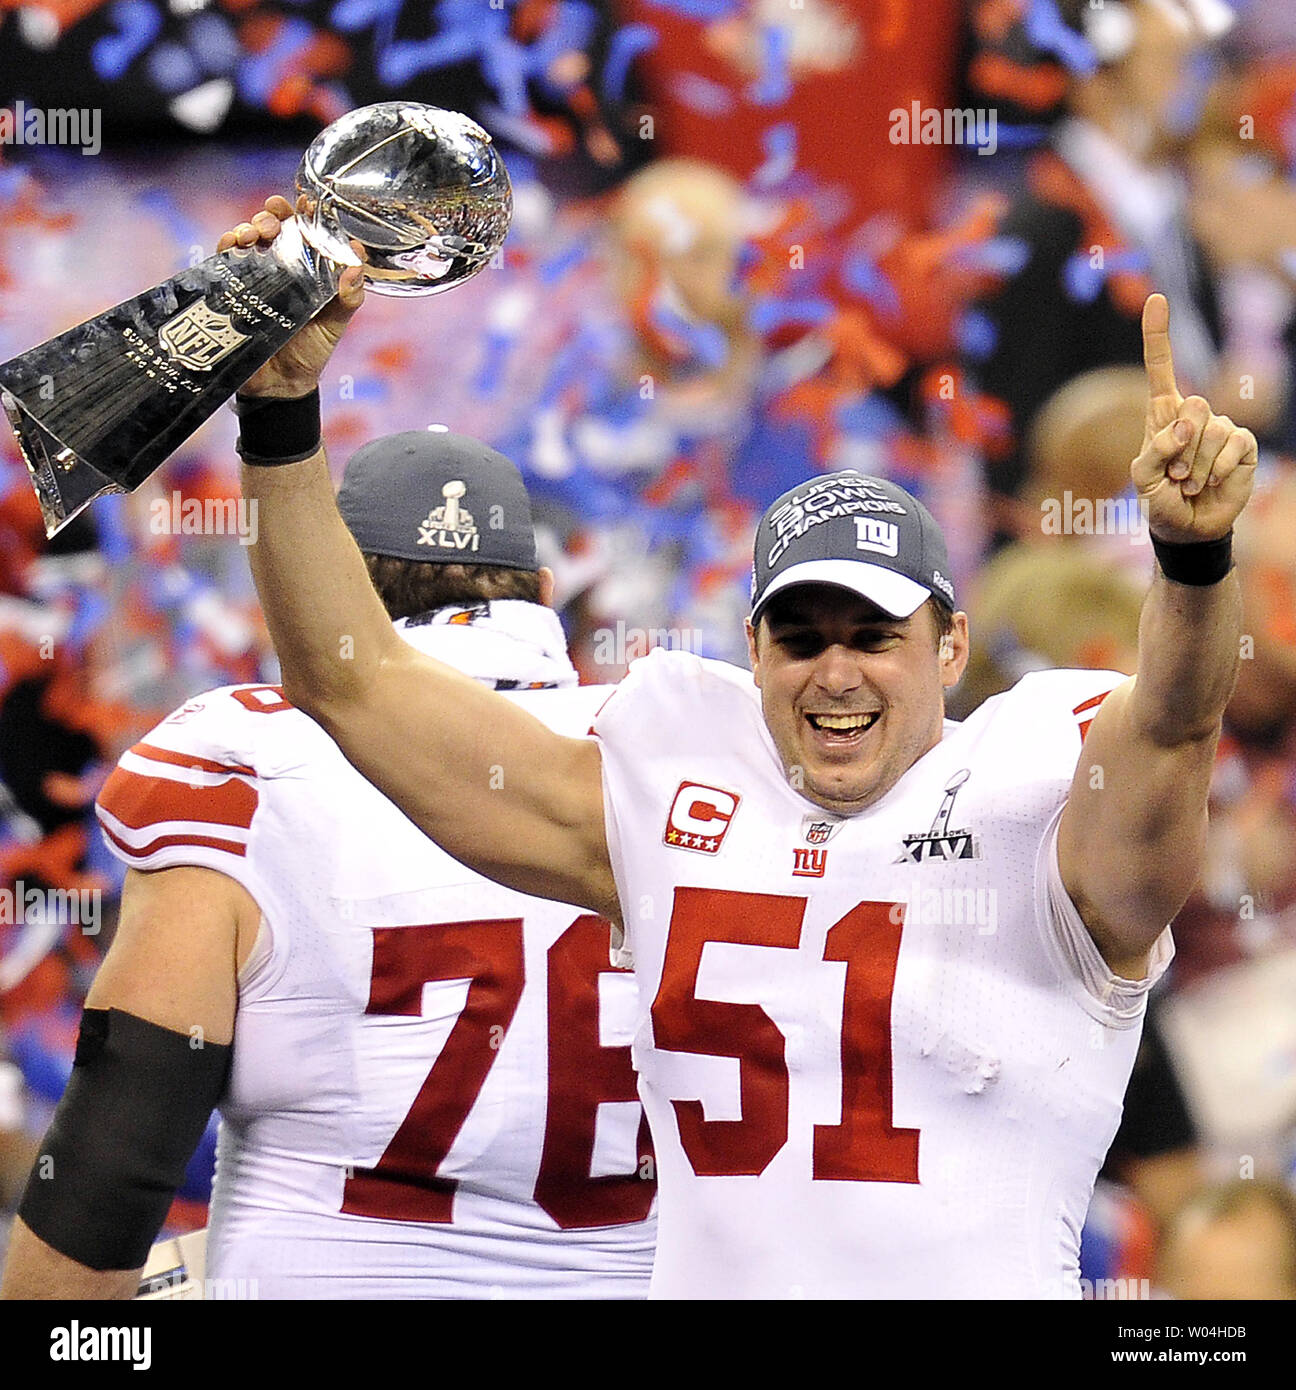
(134, 1109)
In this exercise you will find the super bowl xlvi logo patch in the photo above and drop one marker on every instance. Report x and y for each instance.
(700, 817)
(940, 842)
(450, 527)
(198, 337)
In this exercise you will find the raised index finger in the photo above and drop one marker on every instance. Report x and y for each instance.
(1157, 357)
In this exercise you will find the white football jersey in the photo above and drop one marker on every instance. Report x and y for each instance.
(880, 1054)
(431, 1092)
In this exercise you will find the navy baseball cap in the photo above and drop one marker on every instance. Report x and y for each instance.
(432, 495)
(855, 532)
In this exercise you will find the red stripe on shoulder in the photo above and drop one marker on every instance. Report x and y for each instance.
(174, 759)
(166, 841)
(139, 801)
(1090, 704)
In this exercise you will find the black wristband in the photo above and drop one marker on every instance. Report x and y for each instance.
(273, 430)
(1197, 562)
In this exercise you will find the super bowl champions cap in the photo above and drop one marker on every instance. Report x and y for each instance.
(856, 532)
(437, 496)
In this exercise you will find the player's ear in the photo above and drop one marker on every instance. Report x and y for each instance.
(546, 586)
(752, 650)
(953, 652)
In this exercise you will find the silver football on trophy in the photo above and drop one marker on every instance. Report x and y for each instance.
(421, 189)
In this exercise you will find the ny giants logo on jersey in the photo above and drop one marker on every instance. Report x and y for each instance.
(809, 863)
(699, 817)
(940, 842)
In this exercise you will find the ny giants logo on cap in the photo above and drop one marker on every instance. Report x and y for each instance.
(825, 501)
(879, 536)
(699, 817)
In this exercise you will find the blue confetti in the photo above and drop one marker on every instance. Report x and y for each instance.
(774, 85)
(871, 417)
(172, 68)
(138, 24)
(490, 376)
(978, 336)
(1184, 110)
(1084, 281)
(350, 15)
(706, 342)
(701, 9)
(258, 76)
(767, 313)
(861, 274)
(1003, 255)
(1047, 31)
(626, 45)
(1020, 137)
(116, 541)
(214, 44)
(780, 142)
(92, 611)
(556, 268)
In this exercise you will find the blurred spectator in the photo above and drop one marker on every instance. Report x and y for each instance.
(1155, 1153)
(1042, 605)
(1246, 900)
(1233, 1241)
(17, 1147)
(1083, 439)
(1105, 218)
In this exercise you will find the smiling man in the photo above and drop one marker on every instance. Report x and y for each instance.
(891, 969)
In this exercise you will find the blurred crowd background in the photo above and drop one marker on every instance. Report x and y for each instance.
(750, 244)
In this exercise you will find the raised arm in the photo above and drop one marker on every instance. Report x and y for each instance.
(492, 785)
(1132, 835)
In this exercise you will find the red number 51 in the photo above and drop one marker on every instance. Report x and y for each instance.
(865, 1146)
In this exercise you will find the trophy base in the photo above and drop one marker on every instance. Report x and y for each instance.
(65, 483)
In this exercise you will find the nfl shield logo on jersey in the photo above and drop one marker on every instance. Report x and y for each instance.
(818, 831)
(699, 817)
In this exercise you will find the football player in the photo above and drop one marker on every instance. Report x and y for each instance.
(891, 970)
(424, 1079)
